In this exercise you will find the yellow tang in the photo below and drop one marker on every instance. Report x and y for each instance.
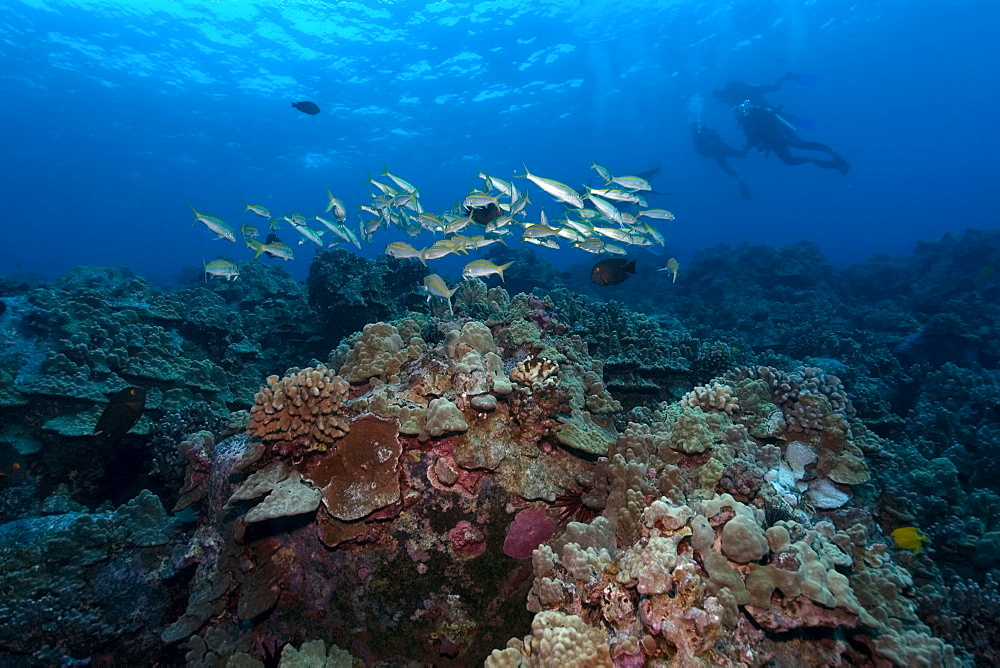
(909, 538)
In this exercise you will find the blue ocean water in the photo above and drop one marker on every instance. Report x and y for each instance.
(118, 113)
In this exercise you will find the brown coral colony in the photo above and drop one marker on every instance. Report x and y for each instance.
(302, 408)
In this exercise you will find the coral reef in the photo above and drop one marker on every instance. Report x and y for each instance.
(67, 346)
(532, 480)
(347, 291)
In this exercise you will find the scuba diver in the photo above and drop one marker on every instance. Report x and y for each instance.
(735, 92)
(768, 130)
(709, 144)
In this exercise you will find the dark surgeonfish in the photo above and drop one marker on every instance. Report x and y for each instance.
(12, 467)
(306, 107)
(121, 413)
(612, 271)
(484, 214)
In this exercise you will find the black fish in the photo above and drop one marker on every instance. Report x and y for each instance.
(272, 238)
(306, 107)
(612, 271)
(12, 468)
(121, 413)
(484, 214)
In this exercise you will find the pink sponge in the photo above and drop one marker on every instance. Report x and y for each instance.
(530, 528)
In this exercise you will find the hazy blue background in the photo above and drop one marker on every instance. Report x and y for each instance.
(116, 113)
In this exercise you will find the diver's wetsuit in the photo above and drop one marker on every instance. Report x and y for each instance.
(709, 144)
(767, 130)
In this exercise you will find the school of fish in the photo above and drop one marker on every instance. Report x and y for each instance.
(596, 220)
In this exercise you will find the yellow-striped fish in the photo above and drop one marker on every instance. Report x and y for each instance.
(222, 268)
(435, 286)
(560, 191)
(479, 268)
(216, 225)
(672, 266)
(261, 211)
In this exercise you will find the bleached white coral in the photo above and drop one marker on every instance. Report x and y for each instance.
(556, 639)
(649, 566)
(715, 396)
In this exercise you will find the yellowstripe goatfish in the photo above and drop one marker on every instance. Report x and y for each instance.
(402, 183)
(315, 236)
(435, 286)
(261, 211)
(661, 214)
(211, 222)
(672, 266)
(632, 182)
(273, 249)
(220, 267)
(401, 249)
(560, 191)
(479, 268)
(341, 231)
(337, 206)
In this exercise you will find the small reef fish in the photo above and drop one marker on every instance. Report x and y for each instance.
(386, 189)
(590, 245)
(672, 266)
(401, 249)
(661, 214)
(219, 227)
(602, 172)
(122, 412)
(519, 204)
(632, 182)
(315, 236)
(435, 286)
(612, 271)
(437, 250)
(548, 243)
(616, 234)
(560, 191)
(457, 225)
(607, 209)
(401, 182)
(337, 206)
(271, 249)
(480, 268)
(617, 195)
(222, 268)
(653, 232)
(909, 538)
(538, 232)
(261, 211)
(479, 201)
(12, 467)
(310, 108)
(249, 231)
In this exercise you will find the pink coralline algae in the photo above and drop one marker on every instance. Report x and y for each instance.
(530, 528)
(466, 540)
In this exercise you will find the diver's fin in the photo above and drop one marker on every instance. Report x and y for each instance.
(841, 164)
